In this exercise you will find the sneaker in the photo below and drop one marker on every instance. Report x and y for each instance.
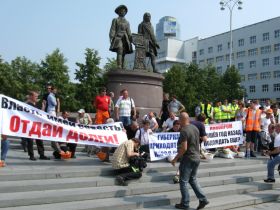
(176, 179)
(181, 206)
(32, 158)
(43, 157)
(269, 180)
(202, 204)
(252, 154)
(120, 181)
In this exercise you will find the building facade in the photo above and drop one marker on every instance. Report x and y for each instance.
(255, 53)
(167, 27)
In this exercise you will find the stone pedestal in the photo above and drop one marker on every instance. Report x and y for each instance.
(144, 87)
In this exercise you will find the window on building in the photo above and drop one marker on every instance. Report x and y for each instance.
(265, 88)
(242, 77)
(277, 33)
(266, 49)
(277, 47)
(252, 89)
(240, 54)
(276, 74)
(276, 87)
(265, 62)
(201, 52)
(219, 69)
(253, 39)
(252, 76)
(210, 49)
(210, 60)
(220, 47)
(253, 52)
(265, 75)
(253, 64)
(227, 57)
(277, 60)
(201, 62)
(265, 36)
(240, 66)
(219, 58)
(228, 45)
(241, 42)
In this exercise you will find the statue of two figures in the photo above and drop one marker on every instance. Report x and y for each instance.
(121, 40)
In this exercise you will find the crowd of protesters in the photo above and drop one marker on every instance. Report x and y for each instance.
(260, 125)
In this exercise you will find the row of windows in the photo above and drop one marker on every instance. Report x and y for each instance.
(240, 66)
(263, 75)
(265, 88)
(253, 64)
(265, 62)
(251, 52)
(241, 42)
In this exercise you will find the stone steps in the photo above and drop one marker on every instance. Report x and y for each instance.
(86, 183)
(248, 201)
(133, 197)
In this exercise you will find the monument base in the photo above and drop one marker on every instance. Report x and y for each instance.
(144, 87)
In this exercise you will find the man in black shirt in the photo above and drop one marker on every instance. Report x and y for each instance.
(32, 101)
(132, 129)
(188, 151)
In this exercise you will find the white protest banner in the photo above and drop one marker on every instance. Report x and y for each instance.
(163, 145)
(22, 120)
(223, 134)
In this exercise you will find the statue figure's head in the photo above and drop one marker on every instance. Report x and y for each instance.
(121, 10)
(147, 17)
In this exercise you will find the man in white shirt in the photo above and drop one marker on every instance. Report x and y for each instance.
(144, 135)
(168, 124)
(153, 122)
(274, 154)
(125, 109)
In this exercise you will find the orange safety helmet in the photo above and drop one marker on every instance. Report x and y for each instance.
(101, 155)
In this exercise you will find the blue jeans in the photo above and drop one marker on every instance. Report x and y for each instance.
(188, 170)
(271, 165)
(4, 149)
(125, 120)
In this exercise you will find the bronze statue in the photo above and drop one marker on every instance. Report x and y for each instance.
(120, 36)
(146, 29)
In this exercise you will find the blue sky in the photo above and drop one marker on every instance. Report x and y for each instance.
(34, 28)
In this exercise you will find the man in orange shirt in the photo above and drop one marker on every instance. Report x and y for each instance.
(101, 103)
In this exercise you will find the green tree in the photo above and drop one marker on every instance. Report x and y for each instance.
(90, 79)
(26, 74)
(111, 64)
(9, 84)
(55, 71)
(231, 84)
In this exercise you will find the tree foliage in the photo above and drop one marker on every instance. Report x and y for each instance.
(192, 84)
(54, 71)
(90, 79)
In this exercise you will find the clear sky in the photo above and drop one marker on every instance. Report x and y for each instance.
(34, 28)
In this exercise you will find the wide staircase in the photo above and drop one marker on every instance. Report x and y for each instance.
(85, 183)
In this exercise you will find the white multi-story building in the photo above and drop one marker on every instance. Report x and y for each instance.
(256, 53)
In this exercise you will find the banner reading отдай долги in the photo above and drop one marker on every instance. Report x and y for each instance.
(22, 120)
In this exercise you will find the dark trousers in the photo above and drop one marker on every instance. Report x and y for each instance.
(40, 147)
(72, 148)
(144, 148)
(128, 173)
